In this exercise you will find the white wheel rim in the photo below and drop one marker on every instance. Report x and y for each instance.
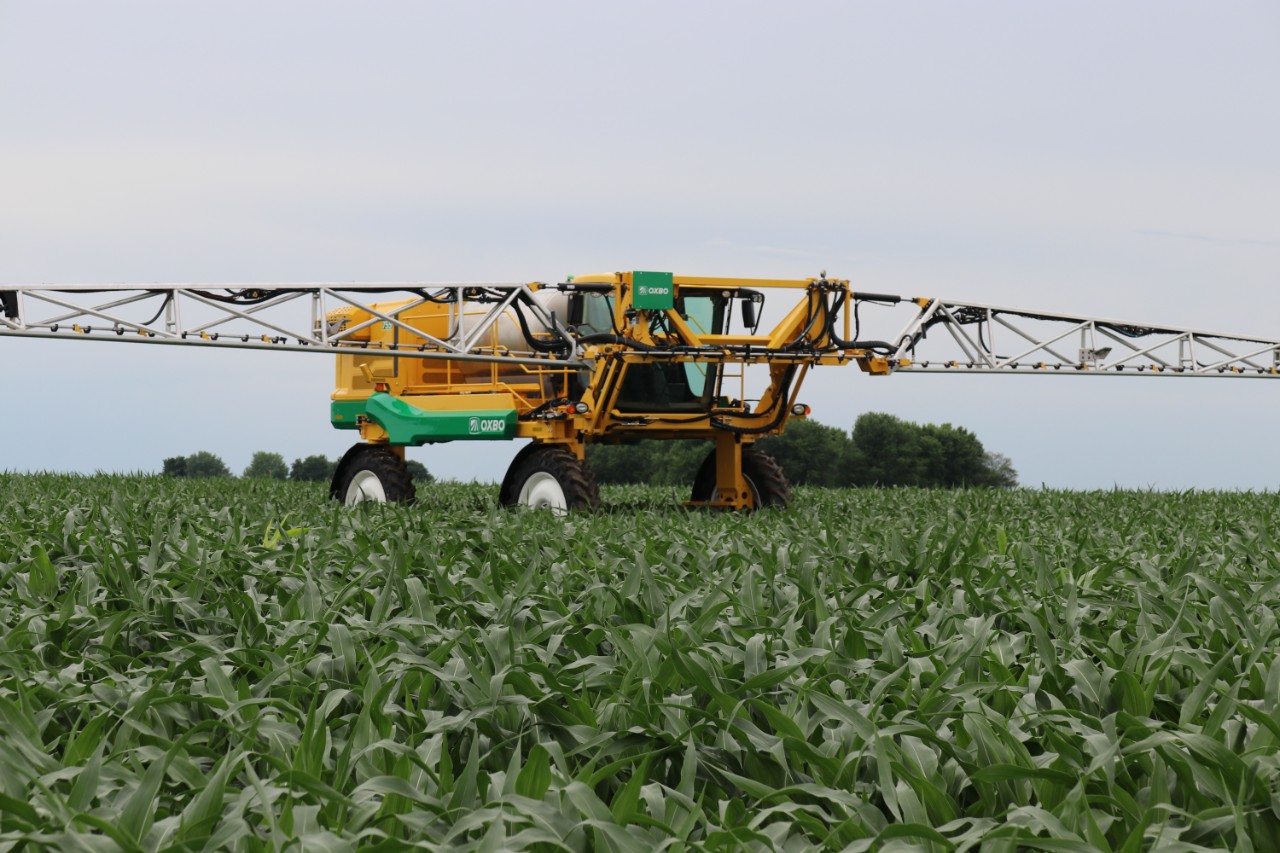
(365, 486)
(543, 491)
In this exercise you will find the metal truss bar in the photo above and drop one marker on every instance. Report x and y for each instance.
(911, 333)
(1039, 345)
(1105, 321)
(1234, 355)
(309, 347)
(76, 302)
(962, 339)
(549, 321)
(486, 322)
(266, 287)
(392, 318)
(234, 314)
(1147, 351)
(116, 322)
(113, 304)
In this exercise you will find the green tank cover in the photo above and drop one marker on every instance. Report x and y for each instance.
(406, 424)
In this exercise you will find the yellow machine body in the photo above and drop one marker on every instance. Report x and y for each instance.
(654, 361)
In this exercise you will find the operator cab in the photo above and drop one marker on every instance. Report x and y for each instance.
(670, 386)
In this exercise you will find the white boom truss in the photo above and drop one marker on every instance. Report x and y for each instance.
(267, 316)
(941, 336)
(968, 337)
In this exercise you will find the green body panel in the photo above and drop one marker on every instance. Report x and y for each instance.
(344, 414)
(654, 291)
(406, 424)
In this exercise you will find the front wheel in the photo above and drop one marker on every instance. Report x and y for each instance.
(761, 471)
(549, 477)
(372, 473)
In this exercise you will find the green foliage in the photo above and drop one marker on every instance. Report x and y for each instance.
(888, 451)
(244, 665)
(661, 463)
(199, 464)
(418, 472)
(813, 454)
(999, 471)
(268, 465)
(313, 469)
(883, 451)
(175, 466)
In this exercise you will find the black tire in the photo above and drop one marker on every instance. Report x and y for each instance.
(547, 476)
(764, 475)
(372, 473)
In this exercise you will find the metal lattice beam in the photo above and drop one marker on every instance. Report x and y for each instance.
(997, 339)
(272, 316)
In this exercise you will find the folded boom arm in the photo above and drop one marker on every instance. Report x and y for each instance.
(968, 337)
(275, 316)
(940, 336)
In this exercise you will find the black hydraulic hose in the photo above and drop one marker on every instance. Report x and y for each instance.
(557, 346)
(250, 296)
(779, 403)
(607, 338)
(803, 340)
(882, 347)
(168, 297)
(245, 297)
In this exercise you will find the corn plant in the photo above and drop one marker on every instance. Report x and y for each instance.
(209, 665)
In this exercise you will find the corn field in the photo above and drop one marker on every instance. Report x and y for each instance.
(241, 665)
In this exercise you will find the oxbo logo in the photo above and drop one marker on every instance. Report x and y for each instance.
(480, 426)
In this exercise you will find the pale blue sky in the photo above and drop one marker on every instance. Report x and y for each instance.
(1096, 157)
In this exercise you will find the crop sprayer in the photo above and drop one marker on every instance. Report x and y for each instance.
(605, 358)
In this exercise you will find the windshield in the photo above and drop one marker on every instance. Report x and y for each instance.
(678, 386)
(597, 314)
(700, 313)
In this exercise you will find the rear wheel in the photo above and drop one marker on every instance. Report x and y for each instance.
(549, 477)
(372, 473)
(763, 475)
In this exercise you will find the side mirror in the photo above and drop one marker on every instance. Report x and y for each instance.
(575, 309)
(749, 317)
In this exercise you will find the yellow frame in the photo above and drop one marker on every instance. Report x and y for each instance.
(461, 386)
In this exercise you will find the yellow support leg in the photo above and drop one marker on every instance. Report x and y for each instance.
(733, 491)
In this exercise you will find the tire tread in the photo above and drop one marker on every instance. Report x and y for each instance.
(383, 462)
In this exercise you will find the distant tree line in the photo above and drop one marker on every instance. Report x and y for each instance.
(271, 466)
(882, 450)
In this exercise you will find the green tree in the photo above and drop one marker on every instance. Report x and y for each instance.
(175, 466)
(418, 472)
(954, 457)
(205, 464)
(268, 466)
(889, 451)
(883, 450)
(812, 454)
(313, 469)
(662, 463)
(1000, 471)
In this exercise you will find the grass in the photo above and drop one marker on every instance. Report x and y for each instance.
(192, 665)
